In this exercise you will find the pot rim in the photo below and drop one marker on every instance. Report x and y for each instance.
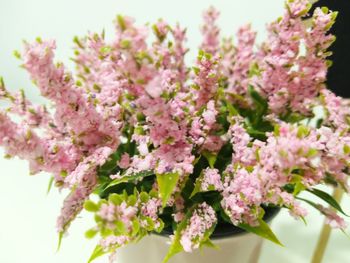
(227, 230)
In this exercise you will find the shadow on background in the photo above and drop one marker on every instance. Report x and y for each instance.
(339, 73)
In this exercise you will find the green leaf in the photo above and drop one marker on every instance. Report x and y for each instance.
(17, 54)
(135, 227)
(144, 197)
(210, 244)
(328, 199)
(210, 157)
(303, 131)
(314, 205)
(98, 252)
(231, 109)
(176, 246)
(91, 233)
(52, 180)
(111, 165)
(257, 97)
(263, 230)
(60, 236)
(121, 22)
(125, 179)
(90, 206)
(276, 130)
(167, 183)
(206, 238)
(120, 227)
(116, 199)
(260, 103)
(346, 149)
(317, 206)
(197, 187)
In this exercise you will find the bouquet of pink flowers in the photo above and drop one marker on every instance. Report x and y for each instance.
(167, 146)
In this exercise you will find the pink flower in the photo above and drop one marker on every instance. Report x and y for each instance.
(124, 162)
(209, 116)
(210, 31)
(201, 221)
(211, 177)
(334, 220)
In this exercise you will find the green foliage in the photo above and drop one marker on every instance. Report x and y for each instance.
(140, 223)
(328, 199)
(176, 246)
(316, 206)
(129, 178)
(263, 230)
(224, 157)
(60, 237)
(261, 107)
(166, 183)
(91, 233)
(110, 167)
(98, 252)
(90, 206)
(211, 157)
(51, 181)
(197, 186)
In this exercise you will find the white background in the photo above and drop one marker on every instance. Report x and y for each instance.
(28, 216)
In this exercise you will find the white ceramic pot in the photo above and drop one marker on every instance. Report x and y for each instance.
(240, 248)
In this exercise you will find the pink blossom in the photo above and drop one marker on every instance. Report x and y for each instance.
(334, 220)
(210, 31)
(209, 115)
(113, 241)
(124, 162)
(72, 206)
(211, 178)
(201, 221)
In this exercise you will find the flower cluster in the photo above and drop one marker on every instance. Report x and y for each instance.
(167, 146)
(202, 220)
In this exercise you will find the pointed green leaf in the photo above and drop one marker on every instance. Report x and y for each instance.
(261, 107)
(210, 244)
(125, 179)
(210, 157)
(135, 227)
(176, 246)
(328, 199)
(314, 205)
(52, 180)
(262, 230)
(206, 238)
(231, 109)
(167, 183)
(174, 249)
(98, 252)
(197, 187)
(60, 236)
(257, 97)
(317, 206)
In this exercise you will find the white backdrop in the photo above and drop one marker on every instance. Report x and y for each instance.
(28, 216)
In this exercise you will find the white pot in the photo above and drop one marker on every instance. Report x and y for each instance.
(240, 248)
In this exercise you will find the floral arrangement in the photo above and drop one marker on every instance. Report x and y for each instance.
(165, 145)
